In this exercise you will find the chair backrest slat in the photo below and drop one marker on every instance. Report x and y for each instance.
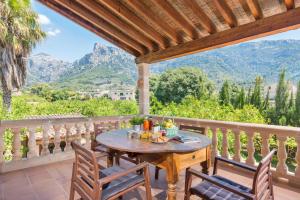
(86, 172)
(262, 182)
(98, 129)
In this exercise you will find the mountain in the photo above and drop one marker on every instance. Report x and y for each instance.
(45, 68)
(243, 62)
(106, 66)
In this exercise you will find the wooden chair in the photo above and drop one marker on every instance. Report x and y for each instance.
(195, 129)
(217, 187)
(111, 183)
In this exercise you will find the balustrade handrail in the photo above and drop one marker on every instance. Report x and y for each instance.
(37, 122)
(240, 126)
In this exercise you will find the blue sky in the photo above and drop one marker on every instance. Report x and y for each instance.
(68, 41)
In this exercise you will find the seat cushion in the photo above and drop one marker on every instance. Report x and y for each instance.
(208, 190)
(120, 184)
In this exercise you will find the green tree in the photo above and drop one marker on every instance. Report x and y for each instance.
(174, 85)
(257, 94)
(281, 99)
(297, 107)
(266, 103)
(224, 95)
(240, 103)
(19, 32)
(249, 93)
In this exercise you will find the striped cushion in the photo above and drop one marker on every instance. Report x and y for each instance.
(208, 190)
(120, 184)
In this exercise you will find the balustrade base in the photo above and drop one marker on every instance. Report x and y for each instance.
(36, 161)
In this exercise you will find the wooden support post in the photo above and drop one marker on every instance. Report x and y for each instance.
(143, 88)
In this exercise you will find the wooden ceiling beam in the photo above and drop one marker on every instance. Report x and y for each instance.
(177, 18)
(127, 15)
(267, 26)
(143, 10)
(255, 9)
(127, 29)
(205, 22)
(290, 4)
(226, 12)
(100, 23)
(86, 24)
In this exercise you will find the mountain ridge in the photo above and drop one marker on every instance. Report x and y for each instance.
(108, 66)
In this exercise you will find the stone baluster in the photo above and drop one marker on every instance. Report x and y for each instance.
(57, 134)
(17, 155)
(264, 144)
(297, 170)
(281, 154)
(250, 148)
(68, 128)
(78, 132)
(2, 130)
(225, 143)
(45, 140)
(31, 142)
(237, 146)
(118, 124)
(89, 126)
(214, 143)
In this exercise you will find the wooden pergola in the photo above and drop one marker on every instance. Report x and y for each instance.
(157, 30)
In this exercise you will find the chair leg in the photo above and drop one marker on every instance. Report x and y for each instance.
(72, 190)
(156, 172)
(147, 183)
(188, 183)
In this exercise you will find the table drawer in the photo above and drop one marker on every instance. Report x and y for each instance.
(189, 159)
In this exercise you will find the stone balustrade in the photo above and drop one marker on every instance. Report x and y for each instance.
(219, 132)
(41, 141)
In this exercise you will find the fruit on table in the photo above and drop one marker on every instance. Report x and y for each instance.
(168, 124)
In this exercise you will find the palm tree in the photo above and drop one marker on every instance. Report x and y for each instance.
(19, 33)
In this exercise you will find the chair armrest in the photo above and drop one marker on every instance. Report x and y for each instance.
(238, 164)
(115, 176)
(219, 184)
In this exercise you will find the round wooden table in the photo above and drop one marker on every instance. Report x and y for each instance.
(171, 156)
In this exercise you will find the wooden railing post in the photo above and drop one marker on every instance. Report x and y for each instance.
(214, 143)
(224, 143)
(281, 154)
(31, 142)
(17, 155)
(237, 146)
(250, 148)
(297, 170)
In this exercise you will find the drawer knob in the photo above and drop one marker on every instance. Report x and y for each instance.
(193, 157)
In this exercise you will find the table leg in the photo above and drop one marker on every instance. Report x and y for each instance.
(110, 160)
(172, 177)
(206, 164)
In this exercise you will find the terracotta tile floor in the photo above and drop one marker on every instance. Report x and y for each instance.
(52, 182)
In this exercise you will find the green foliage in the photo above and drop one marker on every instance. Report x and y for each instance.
(210, 109)
(256, 95)
(281, 99)
(241, 99)
(297, 105)
(224, 95)
(173, 85)
(137, 120)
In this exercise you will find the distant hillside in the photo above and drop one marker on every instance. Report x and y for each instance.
(107, 66)
(241, 63)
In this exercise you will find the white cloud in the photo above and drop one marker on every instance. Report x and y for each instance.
(43, 19)
(53, 32)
